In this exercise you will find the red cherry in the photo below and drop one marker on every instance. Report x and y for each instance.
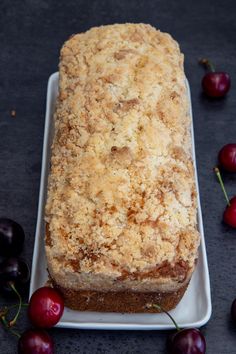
(46, 307)
(187, 341)
(215, 84)
(227, 157)
(35, 341)
(229, 215)
(184, 341)
(14, 270)
(12, 237)
(233, 310)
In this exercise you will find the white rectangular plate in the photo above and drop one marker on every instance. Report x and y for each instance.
(194, 310)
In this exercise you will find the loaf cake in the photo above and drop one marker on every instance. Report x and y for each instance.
(121, 206)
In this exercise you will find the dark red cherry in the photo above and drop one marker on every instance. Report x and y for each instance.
(229, 215)
(187, 341)
(183, 341)
(227, 157)
(215, 84)
(233, 310)
(35, 341)
(46, 307)
(14, 270)
(12, 237)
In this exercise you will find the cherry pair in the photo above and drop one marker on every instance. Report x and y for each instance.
(45, 309)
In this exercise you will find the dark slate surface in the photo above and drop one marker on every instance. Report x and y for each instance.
(31, 34)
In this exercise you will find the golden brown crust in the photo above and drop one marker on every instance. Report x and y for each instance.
(126, 301)
(121, 206)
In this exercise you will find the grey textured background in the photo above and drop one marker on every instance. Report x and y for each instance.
(31, 34)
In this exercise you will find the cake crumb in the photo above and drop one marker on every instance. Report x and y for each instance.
(13, 113)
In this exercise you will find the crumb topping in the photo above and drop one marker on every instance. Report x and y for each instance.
(121, 192)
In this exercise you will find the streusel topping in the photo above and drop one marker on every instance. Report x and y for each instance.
(121, 189)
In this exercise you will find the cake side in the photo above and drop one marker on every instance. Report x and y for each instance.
(121, 301)
(121, 206)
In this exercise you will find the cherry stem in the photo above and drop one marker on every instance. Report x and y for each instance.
(15, 333)
(13, 306)
(218, 174)
(3, 312)
(12, 322)
(167, 313)
(6, 326)
(208, 64)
